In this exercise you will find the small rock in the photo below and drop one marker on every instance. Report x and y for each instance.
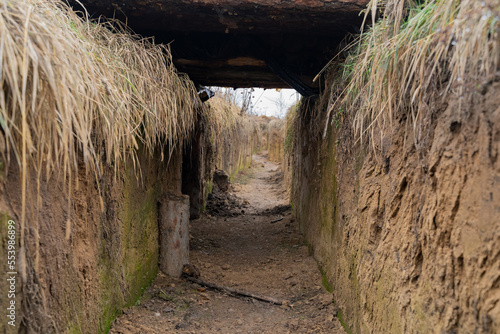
(157, 314)
(189, 270)
(226, 267)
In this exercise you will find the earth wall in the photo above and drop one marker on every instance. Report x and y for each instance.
(406, 229)
(80, 275)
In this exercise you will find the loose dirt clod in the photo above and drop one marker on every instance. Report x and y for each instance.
(190, 271)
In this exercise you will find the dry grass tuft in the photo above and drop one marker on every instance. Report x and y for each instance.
(415, 52)
(72, 88)
(228, 127)
(291, 127)
(276, 139)
(223, 116)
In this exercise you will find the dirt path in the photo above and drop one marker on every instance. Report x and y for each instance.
(243, 251)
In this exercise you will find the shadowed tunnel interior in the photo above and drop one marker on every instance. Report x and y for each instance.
(238, 43)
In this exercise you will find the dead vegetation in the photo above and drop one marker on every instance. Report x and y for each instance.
(223, 119)
(74, 87)
(75, 91)
(79, 93)
(276, 136)
(415, 53)
(234, 135)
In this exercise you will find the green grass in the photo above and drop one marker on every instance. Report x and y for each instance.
(328, 286)
(340, 316)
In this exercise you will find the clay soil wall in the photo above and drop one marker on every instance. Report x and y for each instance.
(276, 137)
(236, 150)
(80, 284)
(407, 233)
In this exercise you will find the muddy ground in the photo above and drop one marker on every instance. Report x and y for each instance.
(240, 248)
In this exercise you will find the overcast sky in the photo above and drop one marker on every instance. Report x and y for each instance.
(270, 102)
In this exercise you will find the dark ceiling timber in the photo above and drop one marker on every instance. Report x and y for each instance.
(242, 43)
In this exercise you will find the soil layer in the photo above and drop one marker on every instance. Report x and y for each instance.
(407, 229)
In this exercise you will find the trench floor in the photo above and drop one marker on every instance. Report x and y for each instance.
(235, 245)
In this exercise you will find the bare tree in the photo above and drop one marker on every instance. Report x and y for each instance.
(281, 105)
(241, 97)
(246, 101)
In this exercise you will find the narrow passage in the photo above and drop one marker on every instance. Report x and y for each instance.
(235, 245)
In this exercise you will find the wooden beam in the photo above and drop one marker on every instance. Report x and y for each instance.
(238, 61)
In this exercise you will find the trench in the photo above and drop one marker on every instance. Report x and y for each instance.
(246, 240)
(373, 207)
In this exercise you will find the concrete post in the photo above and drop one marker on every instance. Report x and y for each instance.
(174, 234)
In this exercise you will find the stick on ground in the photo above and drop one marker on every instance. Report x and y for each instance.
(238, 292)
(277, 220)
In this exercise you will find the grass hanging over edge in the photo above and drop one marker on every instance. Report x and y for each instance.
(417, 50)
(75, 91)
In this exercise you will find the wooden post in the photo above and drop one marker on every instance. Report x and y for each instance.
(174, 234)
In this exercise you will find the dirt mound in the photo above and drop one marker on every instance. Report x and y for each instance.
(225, 204)
(221, 179)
